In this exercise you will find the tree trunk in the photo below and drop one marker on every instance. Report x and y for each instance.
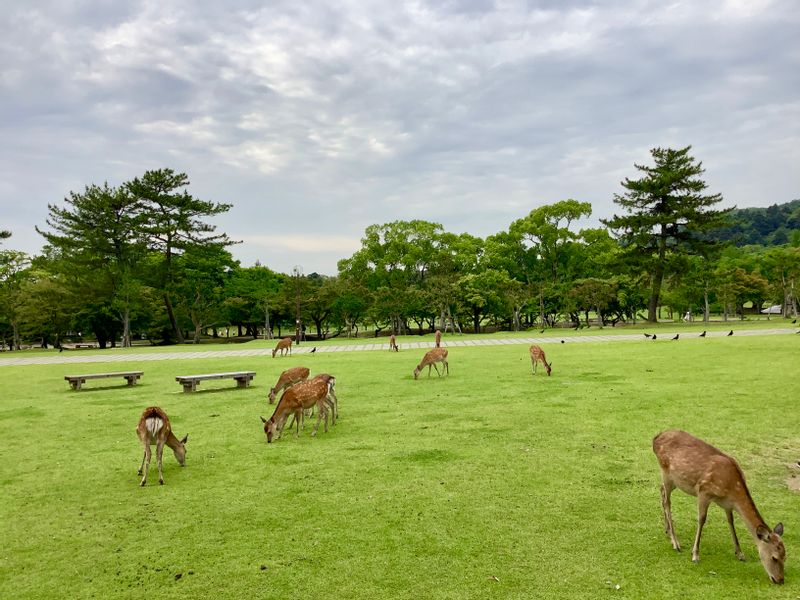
(172, 320)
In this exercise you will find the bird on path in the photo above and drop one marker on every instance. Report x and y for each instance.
(703, 334)
(314, 349)
(562, 341)
(730, 332)
(654, 336)
(677, 335)
(647, 335)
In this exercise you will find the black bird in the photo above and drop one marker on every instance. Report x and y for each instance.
(730, 332)
(647, 335)
(654, 336)
(677, 335)
(314, 349)
(542, 331)
(562, 341)
(703, 334)
(795, 321)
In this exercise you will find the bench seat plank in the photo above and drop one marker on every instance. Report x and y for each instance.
(189, 382)
(77, 380)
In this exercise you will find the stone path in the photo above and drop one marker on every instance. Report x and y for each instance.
(119, 355)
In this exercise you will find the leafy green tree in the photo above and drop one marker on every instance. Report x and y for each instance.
(98, 235)
(173, 221)
(13, 272)
(667, 214)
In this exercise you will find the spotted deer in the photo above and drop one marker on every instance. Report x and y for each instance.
(287, 379)
(283, 346)
(437, 355)
(312, 392)
(699, 469)
(393, 343)
(537, 354)
(154, 428)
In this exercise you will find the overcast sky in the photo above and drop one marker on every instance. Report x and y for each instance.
(317, 119)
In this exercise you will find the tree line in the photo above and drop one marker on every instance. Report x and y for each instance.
(142, 261)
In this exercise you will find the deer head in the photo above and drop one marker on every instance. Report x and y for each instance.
(771, 551)
(269, 428)
(180, 451)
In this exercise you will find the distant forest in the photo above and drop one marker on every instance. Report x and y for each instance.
(772, 226)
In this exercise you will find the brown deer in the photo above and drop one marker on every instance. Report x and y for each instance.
(393, 343)
(154, 428)
(699, 469)
(331, 399)
(284, 345)
(537, 354)
(287, 379)
(430, 359)
(305, 394)
(438, 339)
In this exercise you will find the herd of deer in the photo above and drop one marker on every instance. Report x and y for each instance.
(686, 462)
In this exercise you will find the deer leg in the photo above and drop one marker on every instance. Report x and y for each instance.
(146, 463)
(332, 406)
(533, 362)
(141, 467)
(737, 550)
(702, 510)
(437, 370)
(666, 491)
(447, 367)
(319, 418)
(159, 455)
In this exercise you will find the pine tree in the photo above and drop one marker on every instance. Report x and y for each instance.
(668, 214)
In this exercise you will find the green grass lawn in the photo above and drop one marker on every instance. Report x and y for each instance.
(487, 483)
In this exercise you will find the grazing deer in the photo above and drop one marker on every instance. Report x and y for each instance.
(154, 428)
(699, 469)
(331, 399)
(430, 359)
(438, 339)
(393, 343)
(284, 345)
(537, 354)
(297, 398)
(287, 379)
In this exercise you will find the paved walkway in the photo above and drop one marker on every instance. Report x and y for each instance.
(118, 355)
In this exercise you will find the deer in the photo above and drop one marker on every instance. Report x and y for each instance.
(154, 428)
(284, 345)
(537, 354)
(430, 359)
(701, 470)
(287, 379)
(438, 340)
(331, 401)
(393, 343)
(306, 394)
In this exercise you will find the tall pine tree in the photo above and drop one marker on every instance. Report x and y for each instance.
(667, 215)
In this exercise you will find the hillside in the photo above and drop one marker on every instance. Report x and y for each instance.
(771, 226)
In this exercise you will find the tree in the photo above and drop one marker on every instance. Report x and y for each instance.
(667, 213)
(99, 233)
(13, 273)
(173, 221)
(4, 234)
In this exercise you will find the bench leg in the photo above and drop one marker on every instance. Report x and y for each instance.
(242, 382)
(189, 387)
(132, 379)
(76, 384)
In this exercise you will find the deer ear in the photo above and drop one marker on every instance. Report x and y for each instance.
(185, 438)
(762, 532)
(778, 529)
(263, 420)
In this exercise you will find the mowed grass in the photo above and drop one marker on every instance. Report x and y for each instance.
(488, 483)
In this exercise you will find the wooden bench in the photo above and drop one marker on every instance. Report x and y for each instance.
(77, 380)
(89, 345)
(189, 382)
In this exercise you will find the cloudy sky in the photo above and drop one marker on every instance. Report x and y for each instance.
(316, 119)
